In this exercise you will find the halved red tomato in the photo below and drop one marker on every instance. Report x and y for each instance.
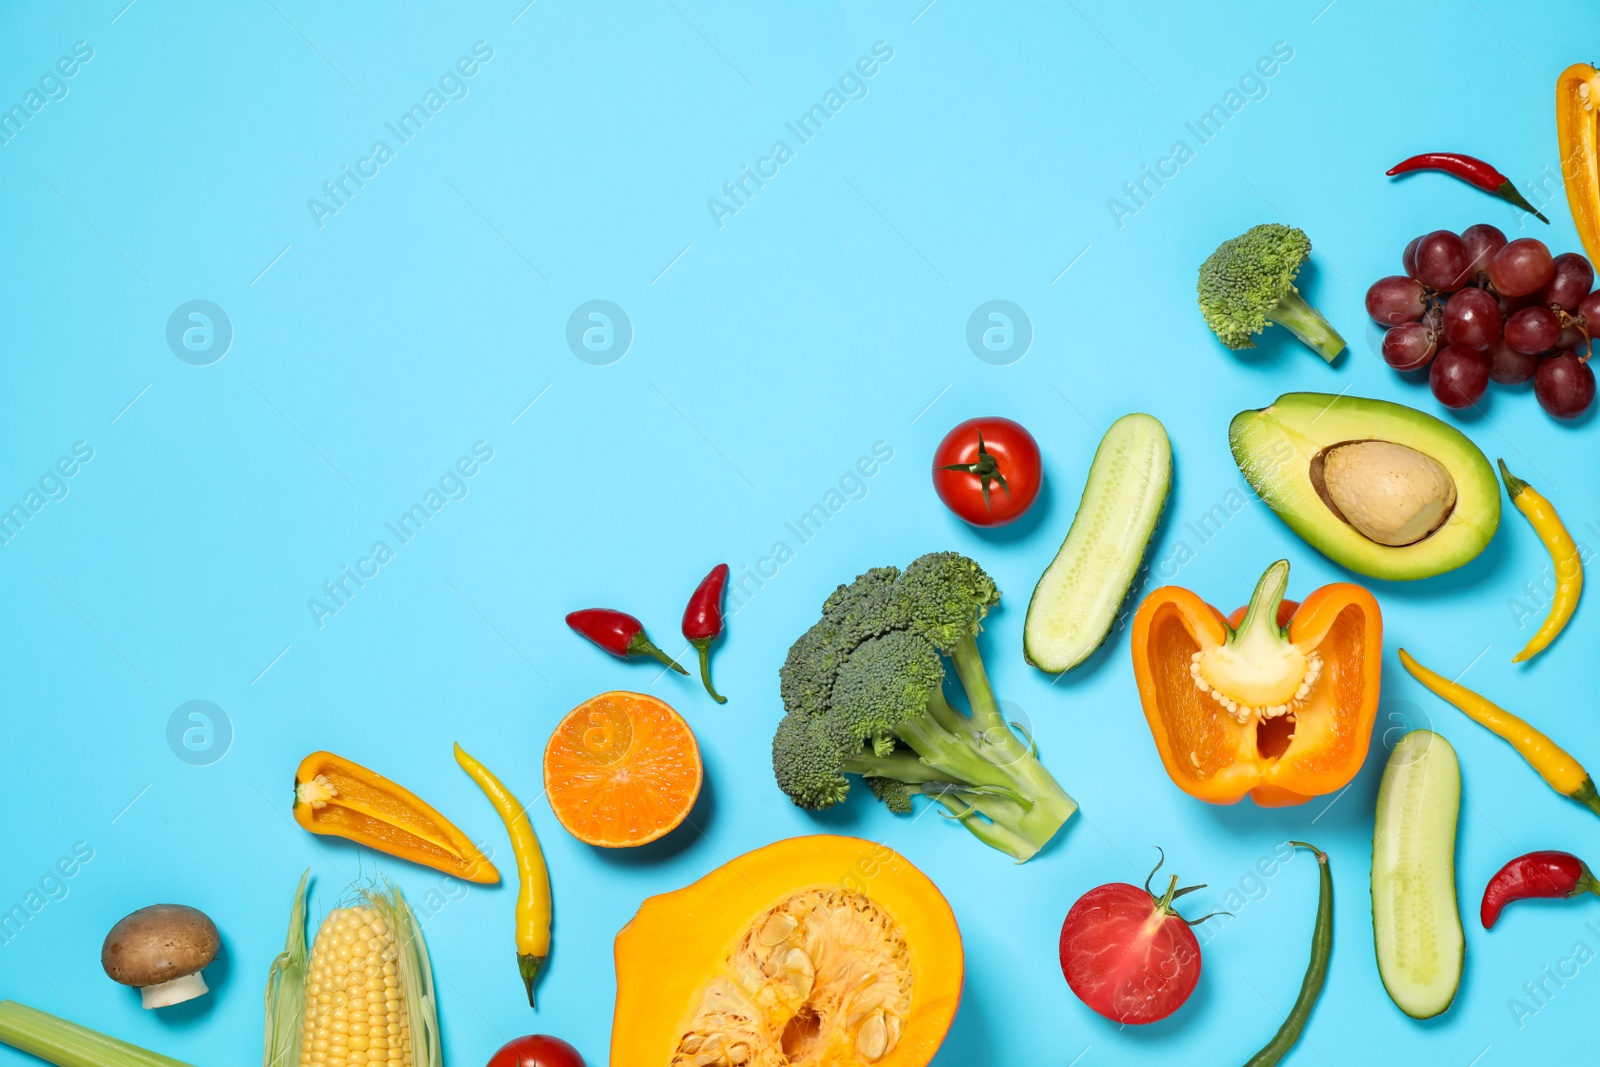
(1127, 954)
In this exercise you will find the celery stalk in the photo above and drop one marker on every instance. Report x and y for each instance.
(67, 1044)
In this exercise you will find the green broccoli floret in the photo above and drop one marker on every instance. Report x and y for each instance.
(1247, 284)
(808, 764)
(864, 608)
(864, 694)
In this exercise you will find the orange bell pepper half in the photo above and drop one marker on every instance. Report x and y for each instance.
(1276, 700)
(1577, 111)
(334, 796)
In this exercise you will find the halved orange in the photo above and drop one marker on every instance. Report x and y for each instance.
(622, 769)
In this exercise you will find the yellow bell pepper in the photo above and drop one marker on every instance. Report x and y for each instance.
(1577, 132)
(341, 798)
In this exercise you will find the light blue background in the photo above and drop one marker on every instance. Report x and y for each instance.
(769, 354)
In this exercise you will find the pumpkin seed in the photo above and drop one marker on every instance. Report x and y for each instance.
(797, 965)
(873, 1039)
(893, 1024)
(777, 929)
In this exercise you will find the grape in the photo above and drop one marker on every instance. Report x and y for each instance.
(1396, 299)
(1408, 258)
(1521, 267)
(1482, 242)
(1564, 385)
(1508, 366)
(1510, 305)
(1459, 377)
(1573, 279)
(1589, 312)
(1471, 319)
(1409, 346)
(1442, 262)
(1533, 330)
(1571, 338)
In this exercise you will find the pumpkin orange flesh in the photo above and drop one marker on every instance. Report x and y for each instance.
(680, 943)
(1278, 762)
(369, 809)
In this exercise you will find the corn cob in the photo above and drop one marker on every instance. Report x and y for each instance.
(361, 997)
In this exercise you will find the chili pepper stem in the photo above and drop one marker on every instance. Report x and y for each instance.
(640, 645)
(703, 646)
(1322, 857)
(529, 966)
(1587, 796)
(1514, 485)
(1507, 191)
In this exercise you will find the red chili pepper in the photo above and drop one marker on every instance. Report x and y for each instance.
(618, 633)
(702, 621)
(1468, 169)
(1538, 874)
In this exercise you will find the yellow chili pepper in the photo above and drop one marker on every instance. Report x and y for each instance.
(1564, 558)
(1555, 765)
(533, 893)
(1577, 124)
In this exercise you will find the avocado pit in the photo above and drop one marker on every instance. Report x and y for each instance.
(1389, 493)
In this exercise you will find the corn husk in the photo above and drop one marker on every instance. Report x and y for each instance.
(286, 984)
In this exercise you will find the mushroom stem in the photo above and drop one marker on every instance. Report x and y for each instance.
(166, 994)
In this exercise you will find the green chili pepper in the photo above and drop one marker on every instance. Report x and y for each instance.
(1316, 972)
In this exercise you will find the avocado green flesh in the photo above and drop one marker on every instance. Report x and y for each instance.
(1416, 923)
(1274, 448)
(1077, 598)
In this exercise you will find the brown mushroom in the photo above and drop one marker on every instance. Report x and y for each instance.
(161, 950)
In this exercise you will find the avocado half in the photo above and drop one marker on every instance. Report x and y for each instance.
(1280, 450)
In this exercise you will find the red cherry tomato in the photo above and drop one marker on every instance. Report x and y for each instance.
(536, 1050)
(1127, 955)
(987, 471)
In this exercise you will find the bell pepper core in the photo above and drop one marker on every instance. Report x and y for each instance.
(1276, 701)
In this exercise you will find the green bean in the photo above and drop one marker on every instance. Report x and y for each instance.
(1316, 971)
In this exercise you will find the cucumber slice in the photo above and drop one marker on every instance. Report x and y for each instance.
(1076, 601)
(1415, 921)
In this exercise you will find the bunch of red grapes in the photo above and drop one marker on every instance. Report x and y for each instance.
(1475, 307)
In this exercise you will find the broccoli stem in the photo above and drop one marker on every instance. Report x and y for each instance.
(951, 749)
(991, 726)
(955, 757)
(1306, 323)
(901, 766)
(946, 716)
(991, 831)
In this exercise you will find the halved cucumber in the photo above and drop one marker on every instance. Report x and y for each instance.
(1415, 921)
(1076, 601)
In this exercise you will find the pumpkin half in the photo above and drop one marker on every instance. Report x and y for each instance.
(818, 951)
